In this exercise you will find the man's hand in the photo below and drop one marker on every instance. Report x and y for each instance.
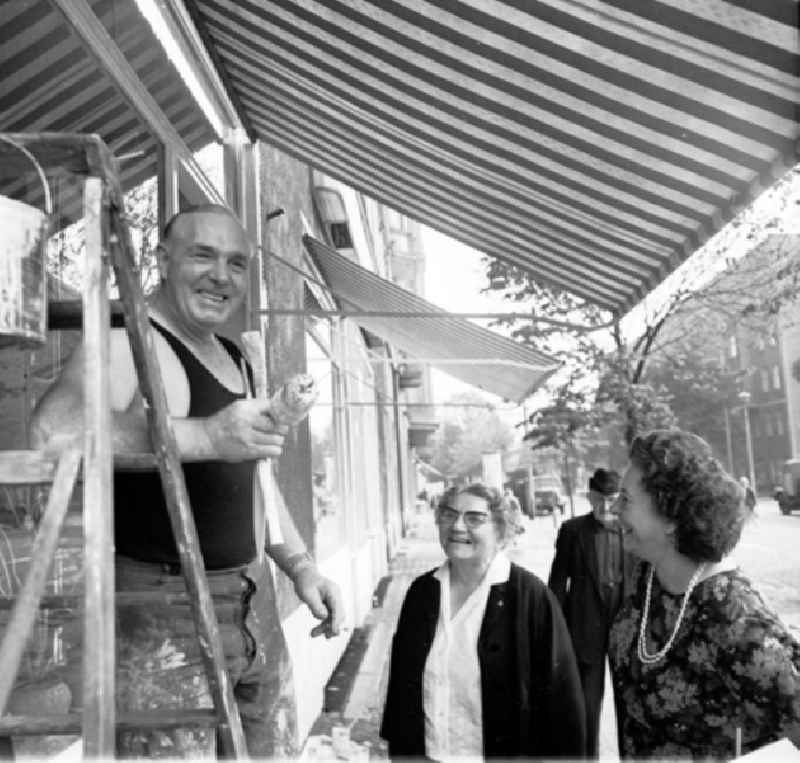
(244, 431)
(323, 598)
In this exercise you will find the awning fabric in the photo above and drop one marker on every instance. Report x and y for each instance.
(50, 82)
(597, 143)
(471, 353)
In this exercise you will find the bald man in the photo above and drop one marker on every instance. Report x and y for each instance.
(204, 261)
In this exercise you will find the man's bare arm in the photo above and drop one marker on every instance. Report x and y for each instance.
(320, 594)
(241, 431)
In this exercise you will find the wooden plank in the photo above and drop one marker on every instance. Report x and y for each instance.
(230, 734)
(26, 606)
(124, 598)
(135, 462)
(33, 467)
(70, 723)
(67, 315)
(169, 201)
(26, 467)
(98, 616)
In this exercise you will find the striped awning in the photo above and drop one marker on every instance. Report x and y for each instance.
(428, 334)
(50, 82)
(596, 143)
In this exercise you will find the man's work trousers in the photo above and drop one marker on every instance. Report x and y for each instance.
(159, 664)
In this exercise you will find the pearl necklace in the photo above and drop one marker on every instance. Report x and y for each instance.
(644, 655)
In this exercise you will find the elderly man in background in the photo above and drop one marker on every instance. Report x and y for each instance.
(221, 431)
(589, 576)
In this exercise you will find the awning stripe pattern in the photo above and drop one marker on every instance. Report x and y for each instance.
(596, 143)
(51, 83)
(471, 353)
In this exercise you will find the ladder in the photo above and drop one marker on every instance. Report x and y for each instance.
(107, 234)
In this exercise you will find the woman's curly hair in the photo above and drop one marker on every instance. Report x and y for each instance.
(692, 489)
(505, 518)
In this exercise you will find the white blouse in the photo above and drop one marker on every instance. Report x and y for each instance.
(452, 677)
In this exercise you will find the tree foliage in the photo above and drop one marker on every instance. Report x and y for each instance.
(667, 371)
(466, 433)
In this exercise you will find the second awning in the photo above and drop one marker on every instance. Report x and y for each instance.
(468, 352)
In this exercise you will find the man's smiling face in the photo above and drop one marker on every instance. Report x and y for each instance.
(204, 265)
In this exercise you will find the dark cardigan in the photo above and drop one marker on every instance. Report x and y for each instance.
(530, 689)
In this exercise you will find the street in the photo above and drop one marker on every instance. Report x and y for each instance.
(769, 553)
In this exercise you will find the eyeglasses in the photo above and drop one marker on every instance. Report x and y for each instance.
(472, 519)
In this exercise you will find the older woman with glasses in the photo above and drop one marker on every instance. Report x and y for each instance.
(482, 664)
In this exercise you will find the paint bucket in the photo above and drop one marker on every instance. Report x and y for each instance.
(23, 259)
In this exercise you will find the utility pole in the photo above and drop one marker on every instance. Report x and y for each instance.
(728, 439)
(744, 396)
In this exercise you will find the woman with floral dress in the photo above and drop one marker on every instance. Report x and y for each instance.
(702, 668)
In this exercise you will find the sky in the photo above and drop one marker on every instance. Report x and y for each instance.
(454, 277)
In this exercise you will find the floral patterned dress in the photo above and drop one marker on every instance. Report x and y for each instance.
(732, 664)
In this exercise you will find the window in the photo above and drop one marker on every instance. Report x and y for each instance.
(733, 347)
(340, 235)
(326, 451)
(776, 377)
(764, 374)
(400, 244)
(395, 222)
(772, 339)
(330, 205)
(779, 427)
(767, 425)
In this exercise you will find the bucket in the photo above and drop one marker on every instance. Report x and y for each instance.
(23, 272)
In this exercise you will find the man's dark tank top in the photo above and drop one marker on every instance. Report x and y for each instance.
(221, 493)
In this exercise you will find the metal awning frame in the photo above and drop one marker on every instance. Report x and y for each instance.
(355, 312)
(392, 360)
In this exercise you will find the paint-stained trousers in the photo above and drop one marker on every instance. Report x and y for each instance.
(159, 666)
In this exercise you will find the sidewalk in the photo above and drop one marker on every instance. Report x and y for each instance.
(419, 552)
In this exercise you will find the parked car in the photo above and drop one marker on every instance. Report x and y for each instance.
(548, 494)
(788, 494)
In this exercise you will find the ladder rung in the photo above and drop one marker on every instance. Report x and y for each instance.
(33, 467)
(75, 601)
(70, 723)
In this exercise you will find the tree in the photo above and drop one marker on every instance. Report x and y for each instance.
(702, 394)
(559, 426)
(141, 211)
(467, 432)
(606, 369)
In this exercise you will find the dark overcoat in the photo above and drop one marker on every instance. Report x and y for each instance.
(575, 581)
(530, 689)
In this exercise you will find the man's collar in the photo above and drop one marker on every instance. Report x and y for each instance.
(603, 526)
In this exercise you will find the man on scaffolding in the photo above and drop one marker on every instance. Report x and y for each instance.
(221, 431)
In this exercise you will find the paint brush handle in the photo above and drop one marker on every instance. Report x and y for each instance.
(256, 353)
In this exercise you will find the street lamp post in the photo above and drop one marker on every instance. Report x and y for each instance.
(744, 396)
(728, 439)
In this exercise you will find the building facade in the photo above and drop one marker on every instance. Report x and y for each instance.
(348, 473)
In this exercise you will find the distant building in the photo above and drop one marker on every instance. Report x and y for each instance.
(759, 356)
